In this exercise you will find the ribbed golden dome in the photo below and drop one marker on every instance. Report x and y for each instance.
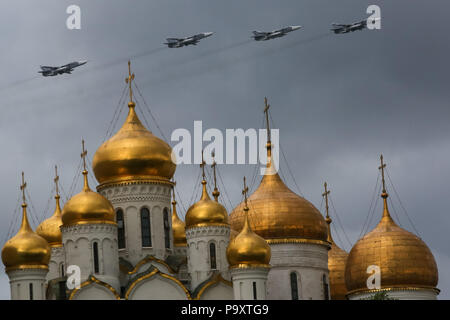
(206, 212)
(404, 259)
(279, 214)
(337, 258)
(26, 250)
(87, 207)
(49, 228)
(233, 234)
(178, 228)
(133, 153)
(247, 248)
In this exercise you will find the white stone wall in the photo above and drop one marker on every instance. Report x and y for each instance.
(20, 280)
(218, 291)
(131, 198)
(243, 279)
(94, 292)
(406, 294)
(309, 261)
(199, 263)
(56, 264)
(78, 243)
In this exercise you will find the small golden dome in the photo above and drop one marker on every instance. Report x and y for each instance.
(178, 228)
(403, 258)
(206, 212)
(279, 214)
(133, 153)
(26, 250)
(87, 207)
(247, 248)
(49, 228)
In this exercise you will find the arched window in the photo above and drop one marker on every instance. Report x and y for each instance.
(31, 291)
(212, 255)
(145, 228)
(325, 288)
(120, 229)
(96, 266)
(166, 228)
(294, 286)
(254, 291)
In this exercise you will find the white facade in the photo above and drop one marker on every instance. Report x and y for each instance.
(131, 198)
(199, 240)
(307, 263)
(86, 243)
(56, 266)
(27, 284)
(250, 283)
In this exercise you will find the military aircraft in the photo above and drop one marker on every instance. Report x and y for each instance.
(181, 42)
(67, 68)
(346, 28)
(263, 36)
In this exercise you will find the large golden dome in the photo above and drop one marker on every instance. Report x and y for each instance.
(87, 207)
(133, 153)
(279, 215)
(404, 259)
(26, 250)
(206, 212)
(247, 248)
(178, 228)
(49, 228)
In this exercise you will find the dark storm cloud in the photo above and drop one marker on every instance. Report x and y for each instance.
(339, 100)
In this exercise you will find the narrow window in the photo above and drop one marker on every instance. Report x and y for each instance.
(166, 228)
(31, 291)
(96, 268)
(145, 228)
(212, 255)
(62, 269)
(325, 288)
(294, 286)
(254, 291)
(120, 229)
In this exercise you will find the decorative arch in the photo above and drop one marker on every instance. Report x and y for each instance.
(148, 259)
(93, 281)
(209, 283)
(151, 273)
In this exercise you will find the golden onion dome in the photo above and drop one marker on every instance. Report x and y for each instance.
(26, 250)
(233, 234)
(206, 212)
(133, 153)
(178, 228)
(87, 207)
(337, 259)
(403, 258)
(247, 248)
(49, 228)
(280, 215)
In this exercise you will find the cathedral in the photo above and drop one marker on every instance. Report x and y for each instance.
(125, 240)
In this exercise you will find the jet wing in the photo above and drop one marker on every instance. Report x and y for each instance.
(48, 68)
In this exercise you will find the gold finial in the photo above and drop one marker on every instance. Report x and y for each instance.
(202, 165)
(56, 180)
(245, 192)
(22, 188)
(85, 172)
(383, 165)
(266, 111)
(129, 79)
(327, 219)
(216, 192)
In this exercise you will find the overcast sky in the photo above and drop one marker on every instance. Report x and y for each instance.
(338, 100)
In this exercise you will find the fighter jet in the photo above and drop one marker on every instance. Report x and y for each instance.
(263, 36)
(181, 42)
(54, 71)
(346, 28)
